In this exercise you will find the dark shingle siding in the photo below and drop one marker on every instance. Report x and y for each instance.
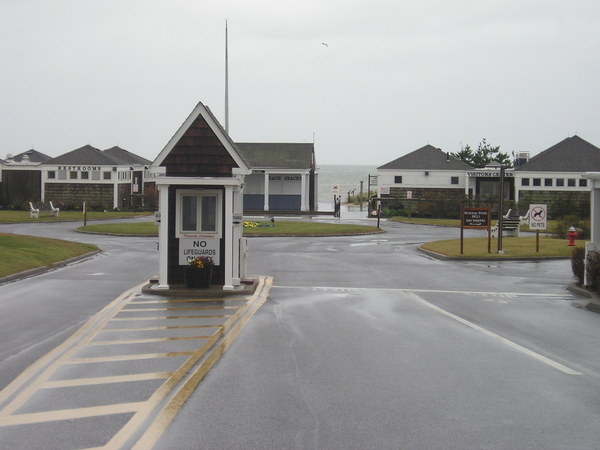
(278, 155)
(426, 158)
(570, 155)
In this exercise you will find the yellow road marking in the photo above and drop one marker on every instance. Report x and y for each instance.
(170, 317)
(167, 414)
(146, 340)
(187, 308)
(196, 300)
(97, 359)
(34, 368)
(105, 380)
(70, 414)
(141, 410)
(174, 327)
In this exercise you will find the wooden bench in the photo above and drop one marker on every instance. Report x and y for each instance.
(511, 224)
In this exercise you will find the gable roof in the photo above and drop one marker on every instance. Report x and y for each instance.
(427, 158)
(33, 155)
(122, 156)
(83, 155)
(278, 155)
(200, 147)
(572, 154)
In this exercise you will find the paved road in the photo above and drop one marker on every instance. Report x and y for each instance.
(367, 343)
(364, 343)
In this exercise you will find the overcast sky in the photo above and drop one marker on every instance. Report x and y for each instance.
(395, 74)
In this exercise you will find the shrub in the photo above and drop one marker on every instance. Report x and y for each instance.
(577, 263)
(593, 270)
(560, 229)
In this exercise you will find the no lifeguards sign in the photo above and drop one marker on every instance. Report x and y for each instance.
(537, 217)
(189, 248)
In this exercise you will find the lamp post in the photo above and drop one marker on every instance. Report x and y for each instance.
(501, 210)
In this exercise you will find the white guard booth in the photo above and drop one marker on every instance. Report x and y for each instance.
(594, 244)
(200, 178)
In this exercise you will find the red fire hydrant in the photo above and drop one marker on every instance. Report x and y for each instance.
(572, 235)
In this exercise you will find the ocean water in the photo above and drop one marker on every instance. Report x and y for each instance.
(348, 177)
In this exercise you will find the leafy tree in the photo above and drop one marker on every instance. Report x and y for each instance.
(484, 155)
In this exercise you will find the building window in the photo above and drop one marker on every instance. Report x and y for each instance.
(571, 182)
(583, 182)
(453, 180)
(72, 175)
(398, 179)
(524, 181)
(548, 182)
(560, 182)
(537, 181)
(51, 174)
(85, 175)
(198, 212)
(106, 175)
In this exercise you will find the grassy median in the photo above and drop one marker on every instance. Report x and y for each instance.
(66, 216)
(122, 229)
(20, 253)
(282, 228)
(514, 247)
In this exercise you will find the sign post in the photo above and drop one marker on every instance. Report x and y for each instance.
(538, 221)
(475, 218)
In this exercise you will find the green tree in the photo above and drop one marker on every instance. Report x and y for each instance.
(484, 155)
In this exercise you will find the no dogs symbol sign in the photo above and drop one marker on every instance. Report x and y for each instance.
(537, 217)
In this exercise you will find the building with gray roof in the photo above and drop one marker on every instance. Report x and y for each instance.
(104, 179)
(284, 176)
(553, 177)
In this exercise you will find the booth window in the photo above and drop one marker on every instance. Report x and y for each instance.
(199, 212)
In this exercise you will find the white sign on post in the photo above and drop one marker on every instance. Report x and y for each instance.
(190, 248)
(537, 217)
(335, 189)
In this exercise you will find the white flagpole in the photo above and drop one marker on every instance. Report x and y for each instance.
(226, 81)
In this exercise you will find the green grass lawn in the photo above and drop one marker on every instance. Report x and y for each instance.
(125, 229)
(514, 247)
(451, 222)
(283, 228)
(21, 253)
(297, 228)
(66, 216)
